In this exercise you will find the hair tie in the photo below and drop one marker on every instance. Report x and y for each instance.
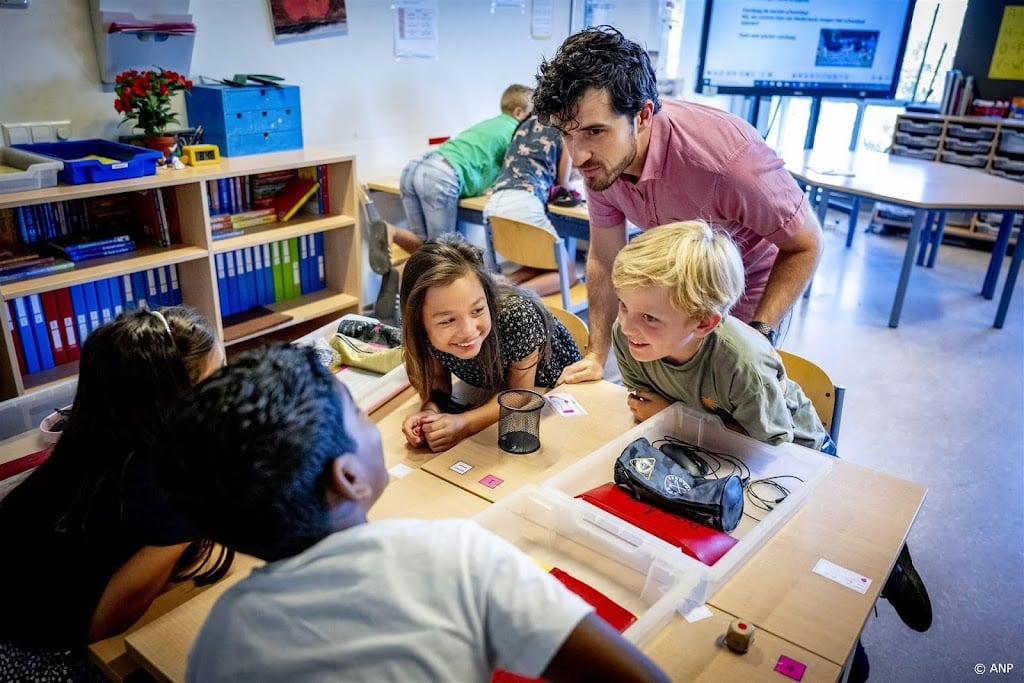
(167, 327)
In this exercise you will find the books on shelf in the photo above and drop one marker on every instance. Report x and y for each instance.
(296, 193)
(83, 247)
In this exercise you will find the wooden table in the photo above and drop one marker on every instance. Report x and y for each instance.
(564, 440)
(856, 517)
(569, 221)
(924, 187)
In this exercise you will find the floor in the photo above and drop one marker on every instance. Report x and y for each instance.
(940, 401)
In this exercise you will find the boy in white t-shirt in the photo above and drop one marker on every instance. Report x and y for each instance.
(272, 457)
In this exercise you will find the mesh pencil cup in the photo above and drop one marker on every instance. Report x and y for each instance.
(519, 421)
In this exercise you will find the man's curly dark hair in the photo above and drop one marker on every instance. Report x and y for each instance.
(598, 57)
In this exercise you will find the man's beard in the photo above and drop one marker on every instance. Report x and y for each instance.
(598, 184)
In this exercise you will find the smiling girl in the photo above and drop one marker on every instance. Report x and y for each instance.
(459, 321)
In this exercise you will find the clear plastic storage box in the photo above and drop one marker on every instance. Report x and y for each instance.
(611, 557)
(31, 171)
(707, 431)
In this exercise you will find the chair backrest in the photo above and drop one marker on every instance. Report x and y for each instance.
(577, 328)
(826, 395)
(533, 246)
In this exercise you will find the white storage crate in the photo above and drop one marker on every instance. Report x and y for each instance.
(33, 171)
(612, 558)
(972, 160)
(931, 141)
(970, 132)
(914, 152)
(920, 127)
(1011, 141)
(975, 146)
(708, 432)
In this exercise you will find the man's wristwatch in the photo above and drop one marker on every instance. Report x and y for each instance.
(765, 329)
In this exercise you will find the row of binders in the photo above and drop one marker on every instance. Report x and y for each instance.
(49, 328)
(276, 271)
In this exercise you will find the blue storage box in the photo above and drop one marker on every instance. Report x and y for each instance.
(248, 119)
(97, 161)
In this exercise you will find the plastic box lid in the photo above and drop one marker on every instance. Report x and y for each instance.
(96, 161)
(36, 171)
(707, 431)
(554, 530)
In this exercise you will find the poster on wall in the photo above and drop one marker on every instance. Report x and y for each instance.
(415, 28)
(302, 19)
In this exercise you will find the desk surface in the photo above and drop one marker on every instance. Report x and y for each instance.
(856, 517)
(902, 180)
(477, 203)
(564, 440)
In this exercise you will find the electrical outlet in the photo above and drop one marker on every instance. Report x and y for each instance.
(35, 131)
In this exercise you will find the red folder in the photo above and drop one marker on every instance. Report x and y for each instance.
(615, 614)
(53, 327)
(67, 322)
(696, 540)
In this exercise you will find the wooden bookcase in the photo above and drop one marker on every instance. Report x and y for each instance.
(194, 256)
(991, 145)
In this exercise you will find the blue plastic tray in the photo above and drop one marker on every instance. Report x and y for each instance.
(129, 161)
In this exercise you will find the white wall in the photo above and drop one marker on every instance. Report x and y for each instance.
(355, 94)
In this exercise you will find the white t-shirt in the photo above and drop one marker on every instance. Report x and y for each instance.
(394, 600)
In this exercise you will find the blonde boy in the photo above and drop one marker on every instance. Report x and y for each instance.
(674, 339)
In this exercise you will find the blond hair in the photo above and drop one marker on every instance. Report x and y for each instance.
(700, 266)
(514, 96)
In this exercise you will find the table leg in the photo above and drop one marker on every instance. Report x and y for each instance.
(940, 228)
(1011, 282)
(854, 214)
(823, 205)
(926, 238)
(908, 262)
(988, 288)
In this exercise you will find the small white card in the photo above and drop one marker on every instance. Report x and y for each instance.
(698, 613)
(460, 467)
(842, 575)
(400, 470)
(566, 405)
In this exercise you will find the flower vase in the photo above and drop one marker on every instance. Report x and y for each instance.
(166, 143)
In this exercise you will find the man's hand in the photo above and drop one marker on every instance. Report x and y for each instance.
(644, 404)
(587, 370)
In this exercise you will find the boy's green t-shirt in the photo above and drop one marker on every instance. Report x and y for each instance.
(477, 153)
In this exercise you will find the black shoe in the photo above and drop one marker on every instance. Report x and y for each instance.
(380, 249)
(386, 307)
(860, 668)
(905, 590)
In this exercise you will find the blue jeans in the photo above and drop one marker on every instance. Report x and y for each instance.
(430, 189)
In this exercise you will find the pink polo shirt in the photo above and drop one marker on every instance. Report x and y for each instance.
(707, 163)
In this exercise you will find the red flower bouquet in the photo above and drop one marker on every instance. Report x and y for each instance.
(145, 98)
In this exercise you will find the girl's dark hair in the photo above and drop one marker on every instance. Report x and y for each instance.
(131, 372)
(598, 57)
(439, 263)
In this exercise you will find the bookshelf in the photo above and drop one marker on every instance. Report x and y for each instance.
(991, 145)
(194, 256)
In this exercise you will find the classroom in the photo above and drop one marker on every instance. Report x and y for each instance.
(898, 313)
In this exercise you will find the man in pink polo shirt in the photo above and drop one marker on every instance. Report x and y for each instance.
(652, 162)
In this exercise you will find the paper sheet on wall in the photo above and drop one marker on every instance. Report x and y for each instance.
(1008, 56)
(415, 28)
(598, 12)
(541, 19)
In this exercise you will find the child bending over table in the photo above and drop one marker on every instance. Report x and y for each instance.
(458, 320)
(272, 456)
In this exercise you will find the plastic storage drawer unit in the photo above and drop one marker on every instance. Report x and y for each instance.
(22, 170)
(247, 120)
(97, 161)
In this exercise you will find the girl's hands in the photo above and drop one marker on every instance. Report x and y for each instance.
(443, 430)
(412, 427)
(643, 404)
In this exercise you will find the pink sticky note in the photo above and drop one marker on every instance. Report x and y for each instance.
(491, 481)
(787, 666)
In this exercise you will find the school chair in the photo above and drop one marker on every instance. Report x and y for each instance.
(577, 328)
(533, 246)
(826, 395)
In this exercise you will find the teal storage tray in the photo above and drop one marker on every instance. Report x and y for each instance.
(128, 161)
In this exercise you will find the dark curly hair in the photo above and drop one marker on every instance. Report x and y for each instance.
(598, 57)
(246, 456)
